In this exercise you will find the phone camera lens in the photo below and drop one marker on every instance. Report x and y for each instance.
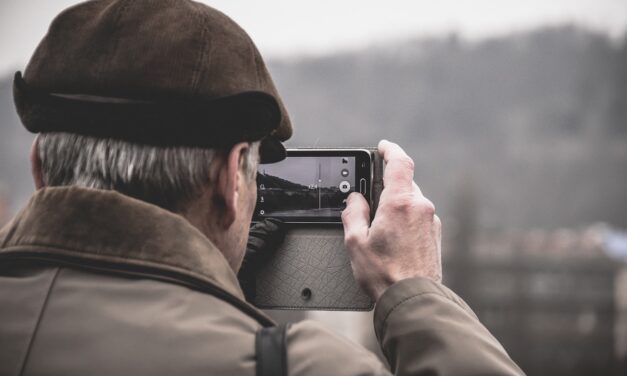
(344, 172)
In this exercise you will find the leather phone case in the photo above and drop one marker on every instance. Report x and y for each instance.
(311, 269)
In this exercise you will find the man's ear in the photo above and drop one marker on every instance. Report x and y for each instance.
(35, 165)
(228, 184)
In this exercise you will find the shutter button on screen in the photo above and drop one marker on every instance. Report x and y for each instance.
(345, 186)
(362, 186)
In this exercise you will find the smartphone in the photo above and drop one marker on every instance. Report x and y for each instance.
(311, 185)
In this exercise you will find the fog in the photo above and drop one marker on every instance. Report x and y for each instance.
(515, 116)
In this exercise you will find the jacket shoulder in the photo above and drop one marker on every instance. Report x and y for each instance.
(121, 325)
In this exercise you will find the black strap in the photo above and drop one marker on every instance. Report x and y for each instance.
(270, 345)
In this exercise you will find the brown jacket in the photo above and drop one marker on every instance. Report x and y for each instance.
(95, 283)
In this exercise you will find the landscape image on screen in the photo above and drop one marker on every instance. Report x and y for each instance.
(305, 187)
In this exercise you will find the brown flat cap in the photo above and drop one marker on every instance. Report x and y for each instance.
(160, 72)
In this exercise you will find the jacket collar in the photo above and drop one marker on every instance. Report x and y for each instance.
(109, 226)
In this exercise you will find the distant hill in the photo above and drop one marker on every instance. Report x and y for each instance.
(284, 195)
(271, 181)
(15, 141)
(534, 124)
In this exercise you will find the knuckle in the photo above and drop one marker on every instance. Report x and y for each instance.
(407, 163)
(427, 208)
(351, 240)
(411, 202)
(437, 222)
(401, 205)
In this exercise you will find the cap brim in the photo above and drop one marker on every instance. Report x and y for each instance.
(271, 150)
(164, 121)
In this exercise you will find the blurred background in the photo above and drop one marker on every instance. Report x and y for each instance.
(515, 113)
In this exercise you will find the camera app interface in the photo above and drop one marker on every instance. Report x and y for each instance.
(305, 187)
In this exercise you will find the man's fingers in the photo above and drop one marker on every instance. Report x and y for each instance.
(268, 228)
(399, 167)
(416, 188)
(356, 219)
(264, 238)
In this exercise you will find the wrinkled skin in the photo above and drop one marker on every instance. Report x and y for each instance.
(404, 238)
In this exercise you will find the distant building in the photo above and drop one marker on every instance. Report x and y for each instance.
(557, 300)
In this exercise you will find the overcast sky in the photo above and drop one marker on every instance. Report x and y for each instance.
(296, 27)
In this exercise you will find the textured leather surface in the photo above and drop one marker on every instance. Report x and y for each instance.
(314, 259)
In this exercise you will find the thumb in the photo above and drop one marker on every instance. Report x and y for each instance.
(356, 217)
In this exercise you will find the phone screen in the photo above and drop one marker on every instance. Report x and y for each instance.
(309, 188)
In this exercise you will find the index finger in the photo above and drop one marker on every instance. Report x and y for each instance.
(399, 167)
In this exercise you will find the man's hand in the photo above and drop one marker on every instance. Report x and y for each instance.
(404, 239)
(263, 239)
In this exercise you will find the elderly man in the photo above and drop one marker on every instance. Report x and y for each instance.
(152, 117)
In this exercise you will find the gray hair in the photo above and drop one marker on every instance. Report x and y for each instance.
(169, 177)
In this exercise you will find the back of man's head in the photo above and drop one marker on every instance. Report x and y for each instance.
(169, 177)
(141, 96)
